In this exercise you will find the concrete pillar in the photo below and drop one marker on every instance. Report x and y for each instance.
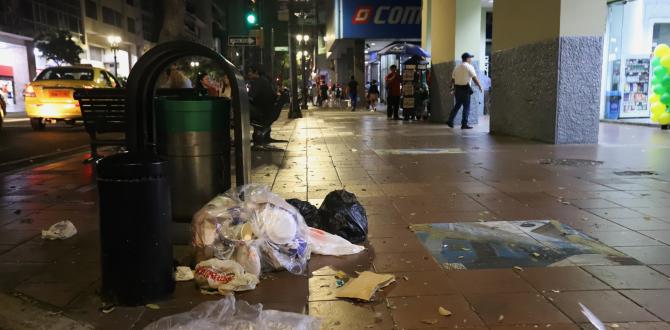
(359, 68)
(450, 28)
(30, 56)
(546, 69)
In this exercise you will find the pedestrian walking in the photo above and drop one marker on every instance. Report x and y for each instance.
(337, 98)
(373, 95)
(392, 81)
(461, 78)
(323, 92)
(352, 87)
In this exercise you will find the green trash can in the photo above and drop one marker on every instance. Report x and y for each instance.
(193, 135)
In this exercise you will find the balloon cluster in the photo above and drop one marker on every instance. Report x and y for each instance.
(660, 97)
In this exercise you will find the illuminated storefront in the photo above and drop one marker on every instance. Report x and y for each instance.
(634, 29)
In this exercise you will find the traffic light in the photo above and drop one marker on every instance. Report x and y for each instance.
(251, 16)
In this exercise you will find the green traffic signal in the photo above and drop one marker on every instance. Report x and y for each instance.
(251, 18)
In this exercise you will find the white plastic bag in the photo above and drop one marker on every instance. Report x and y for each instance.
(256, 221)
(223, 275)
(60, 230)
(321, 242)
(226, 314)
(248, 257)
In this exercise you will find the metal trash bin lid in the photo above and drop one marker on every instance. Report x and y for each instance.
(131, 166)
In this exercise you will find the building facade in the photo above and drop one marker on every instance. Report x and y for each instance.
(20, 22)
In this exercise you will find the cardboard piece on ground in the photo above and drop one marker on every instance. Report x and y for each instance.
(325, 271)
(364, 286)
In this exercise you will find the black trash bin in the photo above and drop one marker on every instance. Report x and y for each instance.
(135, 218)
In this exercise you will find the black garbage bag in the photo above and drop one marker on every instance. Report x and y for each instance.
(341, 214)
(308, 211)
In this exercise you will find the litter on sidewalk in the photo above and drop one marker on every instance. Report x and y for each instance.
(321, 242)
(183, 274)
(340, 214)
(228, 314)
(60, 230)
(249, 230)
(364, 286)
(254, 227)
(224, 276)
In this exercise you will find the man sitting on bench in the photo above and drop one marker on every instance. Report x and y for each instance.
(265, 105)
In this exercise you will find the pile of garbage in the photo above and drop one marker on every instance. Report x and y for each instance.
(249, 230)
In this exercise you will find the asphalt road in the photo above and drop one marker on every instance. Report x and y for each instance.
(20, 146)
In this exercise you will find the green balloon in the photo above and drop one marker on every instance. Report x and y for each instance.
(656, 81)
(659, 90)
(665, 81)
(665, 98)
(660, 72)
(656, 62)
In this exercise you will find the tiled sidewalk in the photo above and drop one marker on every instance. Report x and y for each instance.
(404, 173)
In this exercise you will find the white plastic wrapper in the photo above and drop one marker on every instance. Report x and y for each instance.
(223, 275)
(321, 242)
(227, 314)
(60, 230)
(252, 226)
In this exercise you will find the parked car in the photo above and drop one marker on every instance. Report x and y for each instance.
(49, 97)
(3, 109)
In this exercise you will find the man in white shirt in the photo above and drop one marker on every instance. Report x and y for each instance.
(463, 74)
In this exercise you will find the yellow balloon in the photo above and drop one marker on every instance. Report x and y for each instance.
(654, 98)
(664, 118)
(655, 117)
(658, 107)
(662, 50)
(665, 61)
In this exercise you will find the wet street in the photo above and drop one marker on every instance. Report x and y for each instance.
(463, 219)
(21, 146)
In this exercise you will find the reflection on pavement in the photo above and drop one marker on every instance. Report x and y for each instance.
(507, 244)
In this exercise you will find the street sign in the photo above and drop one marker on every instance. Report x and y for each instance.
(241, 41)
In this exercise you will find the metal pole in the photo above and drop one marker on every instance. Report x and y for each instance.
(116, 66)
(272, 53)
(294, 111)
(303, 68)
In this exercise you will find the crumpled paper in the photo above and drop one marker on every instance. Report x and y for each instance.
(183, 274)
(60, 230)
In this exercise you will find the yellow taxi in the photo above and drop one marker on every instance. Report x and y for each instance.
(49, 97)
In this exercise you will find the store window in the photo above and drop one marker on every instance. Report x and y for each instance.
(112, 17)
(634, 28)
(661, 33)
(96, 53)
(131, 25)
(91, 9)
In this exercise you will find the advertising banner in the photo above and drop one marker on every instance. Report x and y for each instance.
(386, 19)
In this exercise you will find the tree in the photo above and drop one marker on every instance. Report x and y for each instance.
(58, 47)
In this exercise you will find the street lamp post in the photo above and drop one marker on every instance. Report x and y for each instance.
(302, 41)
(114, 42)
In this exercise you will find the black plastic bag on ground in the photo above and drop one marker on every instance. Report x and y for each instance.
(341, 214)
(308, 211)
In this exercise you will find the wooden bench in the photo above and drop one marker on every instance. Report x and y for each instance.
(104, 111)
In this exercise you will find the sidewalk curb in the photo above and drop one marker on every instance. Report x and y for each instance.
(39, 160)
(16, 313)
